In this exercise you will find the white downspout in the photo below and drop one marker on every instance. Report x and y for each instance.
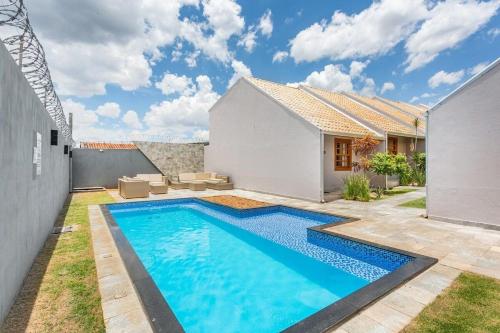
(386, 148)
(426, 164)
(322, 166)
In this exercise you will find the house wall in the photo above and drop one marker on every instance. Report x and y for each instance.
(29, 203)
(334, 180)
(463, 173)
(262, 146)
(92, 167)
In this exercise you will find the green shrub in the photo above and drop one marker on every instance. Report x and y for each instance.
(356, 187)
(383, 164)
(419, 177)
(403, 169)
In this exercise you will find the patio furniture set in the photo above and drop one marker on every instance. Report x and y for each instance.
(142, 184)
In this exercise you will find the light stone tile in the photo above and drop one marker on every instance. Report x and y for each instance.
(403, 303)
(364, 324)
(393, 320)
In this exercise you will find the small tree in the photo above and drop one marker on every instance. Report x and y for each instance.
(416, 124)
(364, 147)
(387, 164)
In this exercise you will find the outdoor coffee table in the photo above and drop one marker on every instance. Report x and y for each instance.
(158, 188)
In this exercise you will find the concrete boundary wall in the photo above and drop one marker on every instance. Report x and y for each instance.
(29, 203)
(93, 167)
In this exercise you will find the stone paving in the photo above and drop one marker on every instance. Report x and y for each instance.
(457, 247)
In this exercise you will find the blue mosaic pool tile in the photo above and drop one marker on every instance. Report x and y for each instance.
(289, 227)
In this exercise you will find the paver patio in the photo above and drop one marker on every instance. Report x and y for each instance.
(457, 247)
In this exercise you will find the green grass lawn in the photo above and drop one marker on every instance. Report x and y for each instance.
(60, 293)
(417, 203)
(392, 192)
(470, 304)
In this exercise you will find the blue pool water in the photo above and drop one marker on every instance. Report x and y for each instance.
(259, 270)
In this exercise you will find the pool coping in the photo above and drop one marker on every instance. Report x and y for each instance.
(162, 318)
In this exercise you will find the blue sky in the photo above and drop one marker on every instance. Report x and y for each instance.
(151, 69)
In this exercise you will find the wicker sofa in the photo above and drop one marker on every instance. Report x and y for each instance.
(158, 184)
(210, 179)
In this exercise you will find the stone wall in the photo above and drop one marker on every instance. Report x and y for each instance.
(174, 158)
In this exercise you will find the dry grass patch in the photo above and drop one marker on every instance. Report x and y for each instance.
(60, 293)
(470, 304)
(236, 202)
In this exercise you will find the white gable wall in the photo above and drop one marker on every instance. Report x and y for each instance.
(263, 146)
(463, 149)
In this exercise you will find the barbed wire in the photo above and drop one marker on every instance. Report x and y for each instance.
(27, 51)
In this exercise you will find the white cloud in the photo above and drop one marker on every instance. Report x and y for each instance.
(414, 99)
(81, 116)
(280, 56)
(266, 24)
(447, 24)
(264, 27)
(443, 77)
(249, 40)
(110, 110)
(374, 31)
(223, 21)
(201, 135)
(173, 84)
(478, 68)
(368, 88)
(191, 59)
(331, 78)
(92, 43)
(387, 86)
(182, 116)
(357, 67)
(240, 70)
(131, 119)
(86, 124)
(429, 27)
(494, 32)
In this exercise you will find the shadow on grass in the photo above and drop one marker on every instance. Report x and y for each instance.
(19, 315)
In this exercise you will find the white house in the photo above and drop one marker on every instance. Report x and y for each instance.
(463, 145)
(297, 141)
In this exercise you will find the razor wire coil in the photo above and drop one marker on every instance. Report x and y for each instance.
(20, 40)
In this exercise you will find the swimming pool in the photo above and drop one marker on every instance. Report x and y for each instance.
(256, 270)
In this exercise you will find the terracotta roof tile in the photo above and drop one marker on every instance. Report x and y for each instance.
(405, 107)
(380, 121)
(107, 145)
(387, 108)
(311, 109)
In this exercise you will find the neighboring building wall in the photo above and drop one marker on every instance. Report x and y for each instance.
(174, 158)
(92, 167)
(29, 203)
(463, 173)
(262, 146)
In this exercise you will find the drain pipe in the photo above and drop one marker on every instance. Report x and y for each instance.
(70, 152)
(385, 151)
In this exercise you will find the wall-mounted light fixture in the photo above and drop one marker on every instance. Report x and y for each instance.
(53, 137)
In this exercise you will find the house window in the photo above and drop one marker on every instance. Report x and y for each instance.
(343, 155)
(392, 145)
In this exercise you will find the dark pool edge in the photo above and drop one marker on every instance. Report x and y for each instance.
(160, 315)
(334, 315)
(162, 318)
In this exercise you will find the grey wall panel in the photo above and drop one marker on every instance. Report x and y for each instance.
(92, 167)
(29, 203)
